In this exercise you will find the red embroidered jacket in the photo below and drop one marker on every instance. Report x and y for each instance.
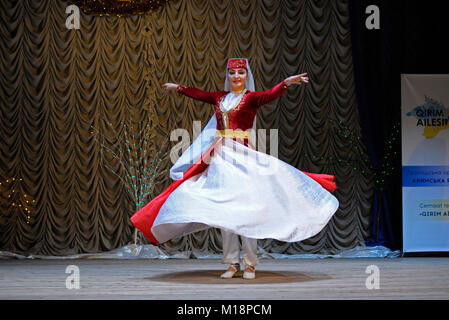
(241, 116)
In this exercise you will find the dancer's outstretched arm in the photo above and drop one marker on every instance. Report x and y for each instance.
(264, 97)
(205, 96)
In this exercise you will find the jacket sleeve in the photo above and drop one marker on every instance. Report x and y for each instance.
(264, 97)
(197, 94)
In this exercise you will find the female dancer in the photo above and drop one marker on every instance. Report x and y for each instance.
(222, 181)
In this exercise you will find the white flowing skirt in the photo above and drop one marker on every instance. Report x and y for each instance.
(249, 193)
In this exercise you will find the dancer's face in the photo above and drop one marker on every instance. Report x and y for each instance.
(237, 79)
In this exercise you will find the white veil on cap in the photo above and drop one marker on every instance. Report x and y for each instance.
(204, 140)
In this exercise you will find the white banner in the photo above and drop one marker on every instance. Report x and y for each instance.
(425, 162)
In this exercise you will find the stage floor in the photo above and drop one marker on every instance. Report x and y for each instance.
(173, 279)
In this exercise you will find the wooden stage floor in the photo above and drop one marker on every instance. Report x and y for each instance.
(191, 279)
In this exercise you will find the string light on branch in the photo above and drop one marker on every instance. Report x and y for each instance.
(14, 203)
(118, 8)
(358, 159)
(139, 165)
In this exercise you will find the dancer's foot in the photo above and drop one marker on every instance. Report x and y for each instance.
(232, 270)
(249, 273)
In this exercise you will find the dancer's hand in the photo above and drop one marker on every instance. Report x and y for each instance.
(297, 79)
(169, 87)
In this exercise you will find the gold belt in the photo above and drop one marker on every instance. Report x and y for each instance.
(229, 133)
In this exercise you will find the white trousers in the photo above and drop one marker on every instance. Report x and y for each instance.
(231, 249)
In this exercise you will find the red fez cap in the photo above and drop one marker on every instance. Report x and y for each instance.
(237, 64)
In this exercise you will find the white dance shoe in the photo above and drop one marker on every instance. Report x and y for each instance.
(249, 273)
(232, 270)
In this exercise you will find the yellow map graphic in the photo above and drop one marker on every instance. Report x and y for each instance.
(432, 132)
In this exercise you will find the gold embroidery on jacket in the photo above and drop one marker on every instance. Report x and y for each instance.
(236, 107)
